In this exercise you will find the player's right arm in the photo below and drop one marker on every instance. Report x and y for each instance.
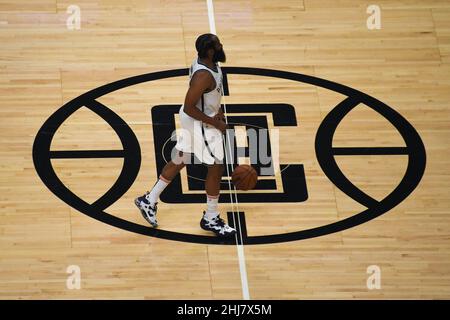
(200, 82)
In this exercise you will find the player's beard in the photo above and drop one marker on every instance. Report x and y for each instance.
(219, 56)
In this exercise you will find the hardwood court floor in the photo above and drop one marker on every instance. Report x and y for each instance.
(406, 65)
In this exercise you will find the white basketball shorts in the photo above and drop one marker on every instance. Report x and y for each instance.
(204, 141)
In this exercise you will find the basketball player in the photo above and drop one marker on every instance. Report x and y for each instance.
(202, 123)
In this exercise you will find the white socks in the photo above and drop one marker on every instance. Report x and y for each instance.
(211, 207)
(212, 202)
(159, 187)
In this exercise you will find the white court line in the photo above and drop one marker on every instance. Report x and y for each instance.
(240, 247)
(212, 22)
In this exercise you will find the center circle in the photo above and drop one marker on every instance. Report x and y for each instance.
(42, 155)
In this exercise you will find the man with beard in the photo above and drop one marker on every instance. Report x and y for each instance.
(202, 125)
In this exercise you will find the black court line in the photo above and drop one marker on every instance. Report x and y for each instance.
(83, 154)
(131, 154)
(347, 151)
(226, 89)
(325, 156)
(241, 226)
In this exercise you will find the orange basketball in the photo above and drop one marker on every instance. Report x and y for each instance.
(244, 177)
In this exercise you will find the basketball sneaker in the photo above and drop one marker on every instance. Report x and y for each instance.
(217, 225)
(147, 211)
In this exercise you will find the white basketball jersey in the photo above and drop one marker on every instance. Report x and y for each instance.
(209, 103)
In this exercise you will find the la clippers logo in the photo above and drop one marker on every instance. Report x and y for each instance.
(247, 116)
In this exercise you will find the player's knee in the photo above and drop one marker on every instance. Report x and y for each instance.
(180, 159)
(181, 165)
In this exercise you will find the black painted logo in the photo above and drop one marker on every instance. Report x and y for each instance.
(292, 175)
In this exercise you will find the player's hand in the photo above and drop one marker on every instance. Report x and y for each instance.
(219, 116)
(219, 124)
